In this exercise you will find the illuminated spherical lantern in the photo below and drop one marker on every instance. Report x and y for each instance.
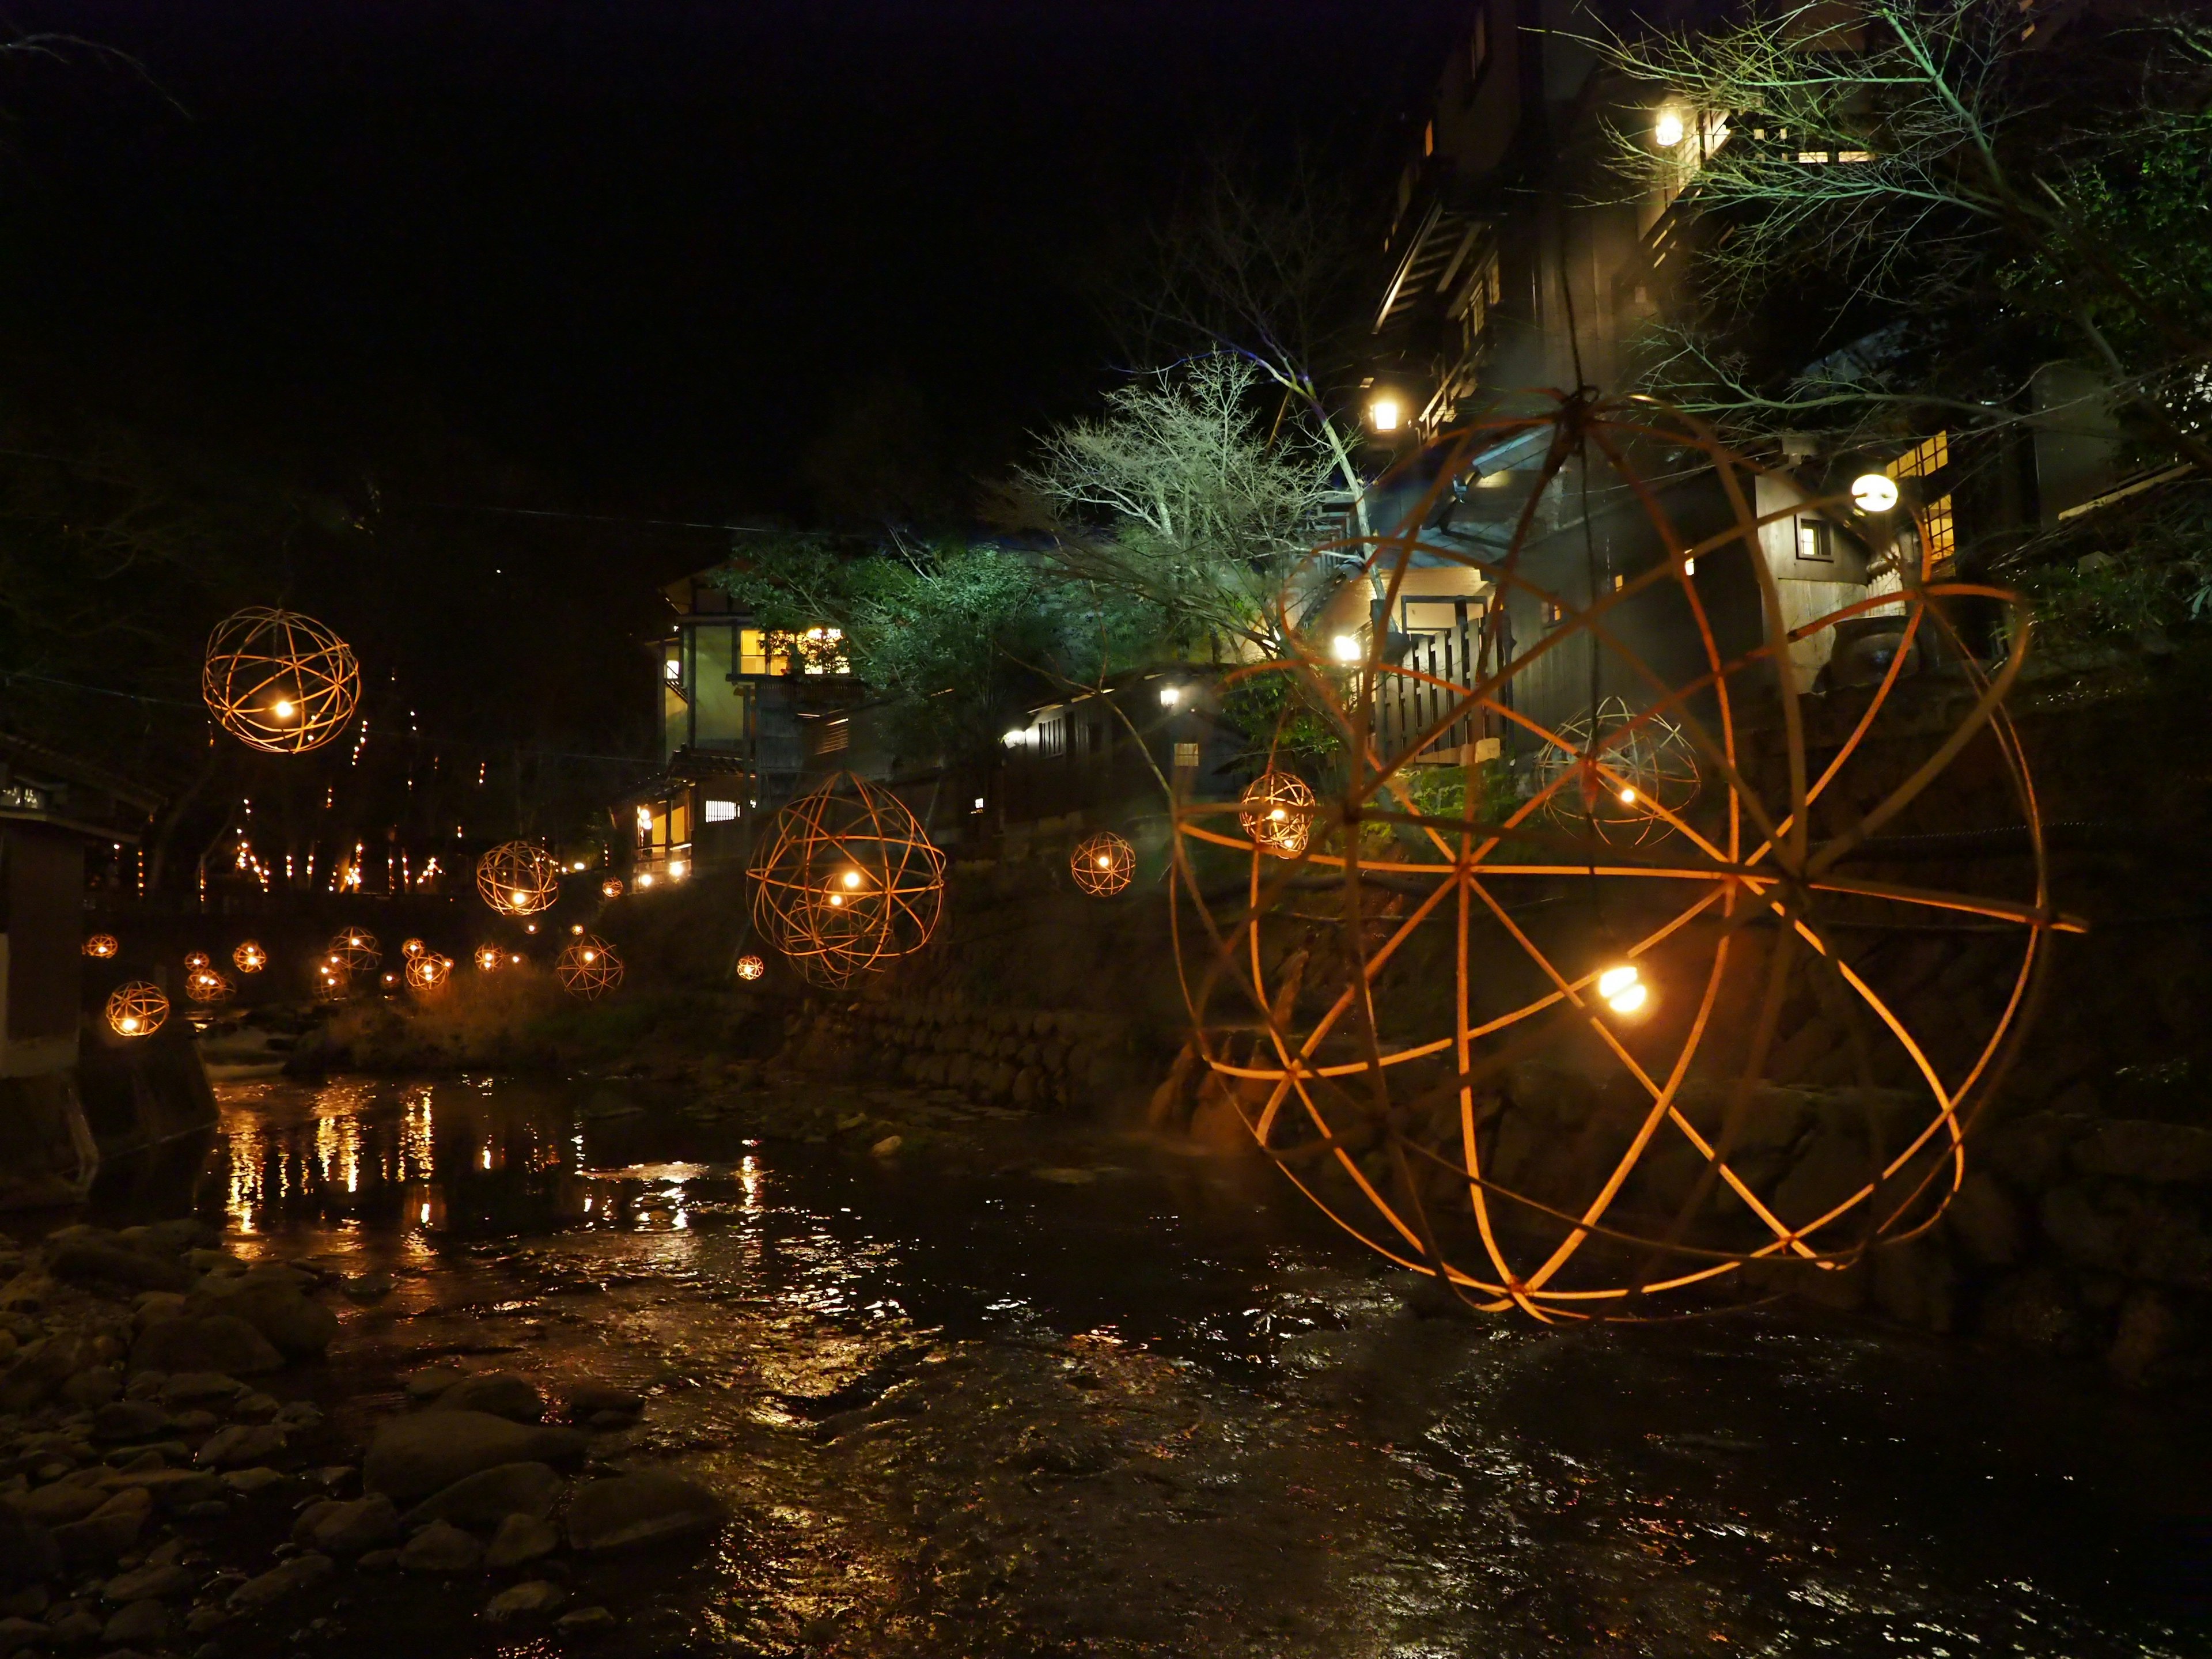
(102, 945)
(278, 681)
(1624, 777)
(352, 950)
(1277, 813)
(249, 957)
(1585, 1083)
(136, 1009)
(750, 966)
(518, 879)
(205, 985)
(428, 973)
(1103, 864)
(846, 881)
(196, 960)
(410, 949)
(611, 888)
(331, 982)
(490, 958)
(588, 968)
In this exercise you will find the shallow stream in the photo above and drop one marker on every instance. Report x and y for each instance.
(1043, 1391)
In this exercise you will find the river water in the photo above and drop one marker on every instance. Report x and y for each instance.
(1040, 1390)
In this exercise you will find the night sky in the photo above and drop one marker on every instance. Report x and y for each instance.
(477, 318)
(643, 257)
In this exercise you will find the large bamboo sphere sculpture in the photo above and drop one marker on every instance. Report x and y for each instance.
(1622, 775)
(102, 945)
(205, 985)
(848, 881)
(1564, 1073)
(352, 950)
(588, 968)
(249, 957)
(1103, 864)
(278, 681)
(428, 973)
(518, 880)
(1278, 812)
(136, 1009)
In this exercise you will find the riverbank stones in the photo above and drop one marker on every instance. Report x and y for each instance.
(442, 1547)
(535, 1599)
(339, 1529)
(503, 1393)
(520, 1538)
(217, 1342)
(632, 1510)
(412, 1457)
(489, 1496)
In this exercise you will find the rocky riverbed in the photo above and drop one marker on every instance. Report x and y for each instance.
(471, 1366)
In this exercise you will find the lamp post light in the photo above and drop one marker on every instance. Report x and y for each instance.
(1874, 492)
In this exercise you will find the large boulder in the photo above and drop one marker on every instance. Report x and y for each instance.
(414, 1456)
(442, 1547)
(240, 1446)
(489, 1496)
(108, 1530)
(337, 1528)
(631, 1509)
(219, 1342)
(285, 1578)
(27, 1551)
(96, 1261)
(520, 1538)
(292, 1320)
(41, 1367)
(503, 1394)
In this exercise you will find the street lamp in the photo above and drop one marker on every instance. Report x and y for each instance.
(1666, 130)
(1874, 492)
(1345, 647)
(1385, 413)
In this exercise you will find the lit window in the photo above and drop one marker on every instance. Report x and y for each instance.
(1554, 613)
(1939, 537)
(721, 811)
(1815, 540)
(1925, 458)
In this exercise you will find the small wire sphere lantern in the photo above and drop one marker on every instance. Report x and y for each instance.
(490, 958)
(249, 957)
(136, 1009)
(279, 682)
(332, 983)
(588, 968)
(847, 882)
(611, 888)
(1103, 864)
(428, 973)
(750, 966)
(206, 986)
(1626, 777)
(518, 879)
(102, 946)
(1278, 813)
(352, 950)
(1583, 1083)
(196, 960)
(411, 948)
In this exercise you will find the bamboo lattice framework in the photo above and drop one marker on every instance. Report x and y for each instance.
(1622, 776)
(411, 948)
(102, 946)
(1102, 864)
(352, 950)
(518, 879)
(490, 958)
(588, 968)
(848, 881)
(1372, 1003)
(1277, 812)
(428, 973)
(248, 957)
(196, 960)
(136, 1009)
(278, 681)
(206, 986)
(750, 966)
(611, 888)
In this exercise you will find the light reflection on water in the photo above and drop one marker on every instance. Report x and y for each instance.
(1853, 1496)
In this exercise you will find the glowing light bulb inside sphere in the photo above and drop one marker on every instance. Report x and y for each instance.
(1628, 798)
(852, 878)
(1666, 130)
(1105, 861)
(130, 1022)
(520, 897)
(282, 709)
(1277, 815)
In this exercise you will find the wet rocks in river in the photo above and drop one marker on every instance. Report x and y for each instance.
(108, 1530)
(241, 1445)
(286, 1578)
(535, 1599)
(198, 1389)
(222, 1342)
(414, 1456)
(94, 1261)
(128, 1419)
(343, 1529)
(520, 1538)
(431, 1382)
(594, 1403)
(584, 1620)
(145, 1621)
(489, 1496)
(442, 1547)
(292, 1320)
(503, 1393)
(27, 1551)
(631, 1509)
